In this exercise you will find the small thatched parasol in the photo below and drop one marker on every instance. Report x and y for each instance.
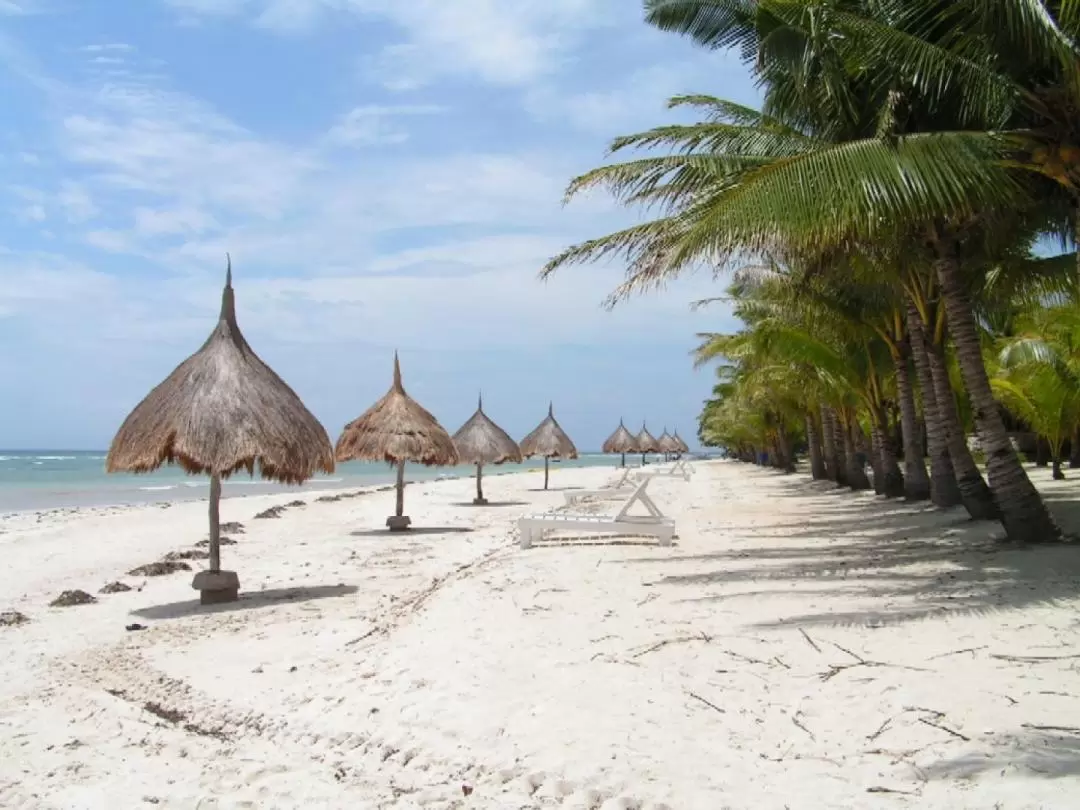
(221, 411)
(550, 441)
(621, 441)
(683, 446)
(667, 444)
(646, 443)
(480, 441)
(396, 430)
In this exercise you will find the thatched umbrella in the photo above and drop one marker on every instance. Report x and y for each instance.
(683, 446)
(667, 443)
(646, 443)
(550, 441)
(621, 441)
(221, 411)
(397, 430)
(480, 441)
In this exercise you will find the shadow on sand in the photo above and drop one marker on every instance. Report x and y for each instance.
(490, 504)
(600, 540)
(413, 531)
(247, 601)
(1049, 751)
(554, 489)
(908, 561)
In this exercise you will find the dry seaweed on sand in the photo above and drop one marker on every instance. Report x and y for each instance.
(12, 618)
(232, 527)
(187, 554)
(71, 598)
(159, 569)
(116, 587)
(224, 541)
(272, 512)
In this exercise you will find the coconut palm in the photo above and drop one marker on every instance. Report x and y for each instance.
(879, 121)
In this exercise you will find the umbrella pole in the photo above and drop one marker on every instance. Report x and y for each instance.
(623, 463)
(214, 585)
(546, 462)
(215, 523)
(398, 522)
(480, 499)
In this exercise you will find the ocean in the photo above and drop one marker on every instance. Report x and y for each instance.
(50, 479)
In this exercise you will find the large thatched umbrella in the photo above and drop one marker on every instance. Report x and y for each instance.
(221, 411)
(683, 446)
(621, 441)
(480, 441)
(646, 443)
(667, 443)
(397, 430)
(550, 441)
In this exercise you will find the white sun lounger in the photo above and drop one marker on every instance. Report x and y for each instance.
(683, 466)
(661, 472)
(653, 524)
(572, 495)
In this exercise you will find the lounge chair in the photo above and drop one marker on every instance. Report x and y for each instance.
(683, 466)
(653, 524)
(675, 471)
(572, 495)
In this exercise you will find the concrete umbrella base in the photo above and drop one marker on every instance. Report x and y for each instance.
(398, 523)
(480, 501)
(217, 587)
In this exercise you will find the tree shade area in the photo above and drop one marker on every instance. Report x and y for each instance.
(876, 224)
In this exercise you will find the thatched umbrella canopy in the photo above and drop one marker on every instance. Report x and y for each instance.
(480, 441)
(621, 441)
(220, 411)
(550, 441)
(646, 443)
(396, 429)
(667, 443)
(683, 446)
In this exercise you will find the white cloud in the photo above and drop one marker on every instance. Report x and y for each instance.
(76, 202)
(504, 42)
(111, 47)
(374, 124)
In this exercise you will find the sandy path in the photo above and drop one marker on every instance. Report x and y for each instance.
(797, 648)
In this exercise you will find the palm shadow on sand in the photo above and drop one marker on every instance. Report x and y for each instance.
(554, 489)
(418, 530)
(248, 601)
(491, 504)
(601, 540)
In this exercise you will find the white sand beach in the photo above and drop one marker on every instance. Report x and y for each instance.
(796, 647)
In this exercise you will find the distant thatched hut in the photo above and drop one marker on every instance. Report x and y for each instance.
(667, 444)
(480, 441)
(397, 430)
(550, 441)
(622, 442)
(646, 443)
(222, 410)
(683, 446)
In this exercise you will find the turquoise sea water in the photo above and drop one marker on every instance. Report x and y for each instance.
(47, 479)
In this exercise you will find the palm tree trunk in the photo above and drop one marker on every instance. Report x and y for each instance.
(1074, 449)
(839, 445)
(974, 493)
(1042, 451)
(828, 440)
(786, 461)
(854, 472)
(892, 480)
(1023, 513)
(916, 481)
(875, 461)
(944, 489)
(813, 442)
(1059, 475)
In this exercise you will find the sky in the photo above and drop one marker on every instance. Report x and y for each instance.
(386, 175)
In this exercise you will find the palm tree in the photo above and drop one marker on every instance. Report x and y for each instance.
(853, 148)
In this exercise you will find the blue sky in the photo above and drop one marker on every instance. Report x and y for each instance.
(385, 173)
